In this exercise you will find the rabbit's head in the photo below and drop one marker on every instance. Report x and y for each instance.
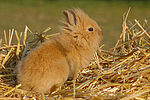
(80, 30)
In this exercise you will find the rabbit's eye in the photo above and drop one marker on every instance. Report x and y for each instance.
(90, 29)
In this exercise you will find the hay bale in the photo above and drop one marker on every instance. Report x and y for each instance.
(122, 72)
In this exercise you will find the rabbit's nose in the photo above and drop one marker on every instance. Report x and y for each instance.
(102, 32)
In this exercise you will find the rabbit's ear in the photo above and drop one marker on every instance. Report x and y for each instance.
(71, 16)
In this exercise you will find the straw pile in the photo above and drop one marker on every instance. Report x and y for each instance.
(120, 73)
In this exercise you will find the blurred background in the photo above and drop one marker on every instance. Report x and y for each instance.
(40, 14)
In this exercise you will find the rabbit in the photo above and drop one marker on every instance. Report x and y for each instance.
(61, 57)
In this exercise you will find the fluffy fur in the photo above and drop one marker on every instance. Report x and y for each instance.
(54, 61)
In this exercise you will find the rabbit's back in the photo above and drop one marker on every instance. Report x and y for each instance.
(44, 67)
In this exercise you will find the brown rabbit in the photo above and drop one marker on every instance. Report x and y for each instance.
(61, 57)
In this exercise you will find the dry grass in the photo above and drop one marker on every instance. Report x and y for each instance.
(120, 73)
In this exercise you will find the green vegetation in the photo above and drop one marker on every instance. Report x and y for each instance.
(40, 14)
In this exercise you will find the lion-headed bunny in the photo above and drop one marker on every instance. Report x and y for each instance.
(60, 58)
